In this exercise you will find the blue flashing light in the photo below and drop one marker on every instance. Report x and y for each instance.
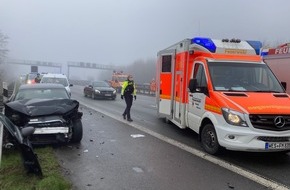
(263, 54)
(204, 42)
(257, 45)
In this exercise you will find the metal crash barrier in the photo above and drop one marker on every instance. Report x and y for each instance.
(141, 88)
(1, 141)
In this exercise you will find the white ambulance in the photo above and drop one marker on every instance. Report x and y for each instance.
(222, 90)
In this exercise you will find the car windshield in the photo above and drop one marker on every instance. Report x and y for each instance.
(62, 81)
(256, 77)
(53, 93)
(100, 84)
(32, 76)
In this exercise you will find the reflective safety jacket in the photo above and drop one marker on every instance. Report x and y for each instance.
(128, 88)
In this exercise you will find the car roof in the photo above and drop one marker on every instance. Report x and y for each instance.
(41, 86)
(54, 75)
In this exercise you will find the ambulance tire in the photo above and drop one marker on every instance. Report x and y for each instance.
(166, 120)
(209, 139)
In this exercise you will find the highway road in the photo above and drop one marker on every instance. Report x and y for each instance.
(151, 154)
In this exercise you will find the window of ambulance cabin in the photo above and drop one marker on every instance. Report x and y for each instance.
(199, 75)
(166, 63)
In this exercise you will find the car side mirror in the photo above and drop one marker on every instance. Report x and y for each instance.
(284, 84)
(192, 85)
(194, 88)
(27, 131)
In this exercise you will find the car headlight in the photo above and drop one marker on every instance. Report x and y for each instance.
(234, 117)
(97, 91)
(114, 92)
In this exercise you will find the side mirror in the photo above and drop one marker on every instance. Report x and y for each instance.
(194, 88)
(192, 85)
(284, 84)
(26, 131)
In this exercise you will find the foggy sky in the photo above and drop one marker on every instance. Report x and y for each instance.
(119, 32)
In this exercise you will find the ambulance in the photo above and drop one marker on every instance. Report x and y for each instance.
(118, 78)
(278, 59)
(222, 90)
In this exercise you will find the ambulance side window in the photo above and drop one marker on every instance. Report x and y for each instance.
(166, 63)
(199, 75)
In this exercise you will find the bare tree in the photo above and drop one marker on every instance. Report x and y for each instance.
(143, 71)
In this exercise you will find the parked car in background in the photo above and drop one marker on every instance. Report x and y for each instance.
(100, 89)
(49, 109)
(58, 79)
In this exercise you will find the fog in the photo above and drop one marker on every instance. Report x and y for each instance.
(128, 33)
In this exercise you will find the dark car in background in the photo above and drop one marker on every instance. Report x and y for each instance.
(49, 109)
(101, 90)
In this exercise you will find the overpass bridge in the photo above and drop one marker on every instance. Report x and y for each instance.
(63, 67)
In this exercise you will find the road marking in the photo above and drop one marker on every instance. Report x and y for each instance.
(236, 169)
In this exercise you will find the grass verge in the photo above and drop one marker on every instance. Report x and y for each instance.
(13, 176)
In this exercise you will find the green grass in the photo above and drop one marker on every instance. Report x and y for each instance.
(13, 176)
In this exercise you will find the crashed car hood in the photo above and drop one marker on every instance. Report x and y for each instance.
(40, 107)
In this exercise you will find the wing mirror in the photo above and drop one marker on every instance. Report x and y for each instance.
(192, 85)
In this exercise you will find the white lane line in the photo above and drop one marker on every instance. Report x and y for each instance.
(236, 169)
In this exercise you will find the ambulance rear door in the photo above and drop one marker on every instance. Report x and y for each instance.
(165, 81)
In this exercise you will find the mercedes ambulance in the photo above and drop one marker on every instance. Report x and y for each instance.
(222, 90)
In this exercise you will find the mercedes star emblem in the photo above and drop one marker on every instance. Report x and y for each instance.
(279, 121)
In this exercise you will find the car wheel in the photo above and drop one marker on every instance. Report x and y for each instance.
(209, 139)
(93, 96)
(77, 131)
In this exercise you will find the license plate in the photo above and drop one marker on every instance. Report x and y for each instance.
(277, 145)
(107, 94)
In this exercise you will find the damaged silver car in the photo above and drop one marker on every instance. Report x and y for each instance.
(49, 109)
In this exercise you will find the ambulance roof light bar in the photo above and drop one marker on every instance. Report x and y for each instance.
(257, 45)
(211, 46)
(204, 42)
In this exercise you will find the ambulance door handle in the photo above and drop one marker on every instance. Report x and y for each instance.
(160, 91)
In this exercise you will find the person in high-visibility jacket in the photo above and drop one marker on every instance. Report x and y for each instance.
(127, 92)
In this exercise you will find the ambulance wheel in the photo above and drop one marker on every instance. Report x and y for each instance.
(166, 120)
(209, 139)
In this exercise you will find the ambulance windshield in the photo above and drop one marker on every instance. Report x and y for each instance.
(253, 77)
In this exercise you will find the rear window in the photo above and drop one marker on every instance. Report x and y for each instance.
(62, 81)
(31, 76)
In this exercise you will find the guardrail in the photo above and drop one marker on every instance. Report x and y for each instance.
(141, 88)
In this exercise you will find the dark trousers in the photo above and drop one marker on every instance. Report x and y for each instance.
(129, 101)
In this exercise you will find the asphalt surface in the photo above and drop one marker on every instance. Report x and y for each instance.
(115, 155)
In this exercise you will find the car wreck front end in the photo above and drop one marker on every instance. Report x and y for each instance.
(55, 121)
